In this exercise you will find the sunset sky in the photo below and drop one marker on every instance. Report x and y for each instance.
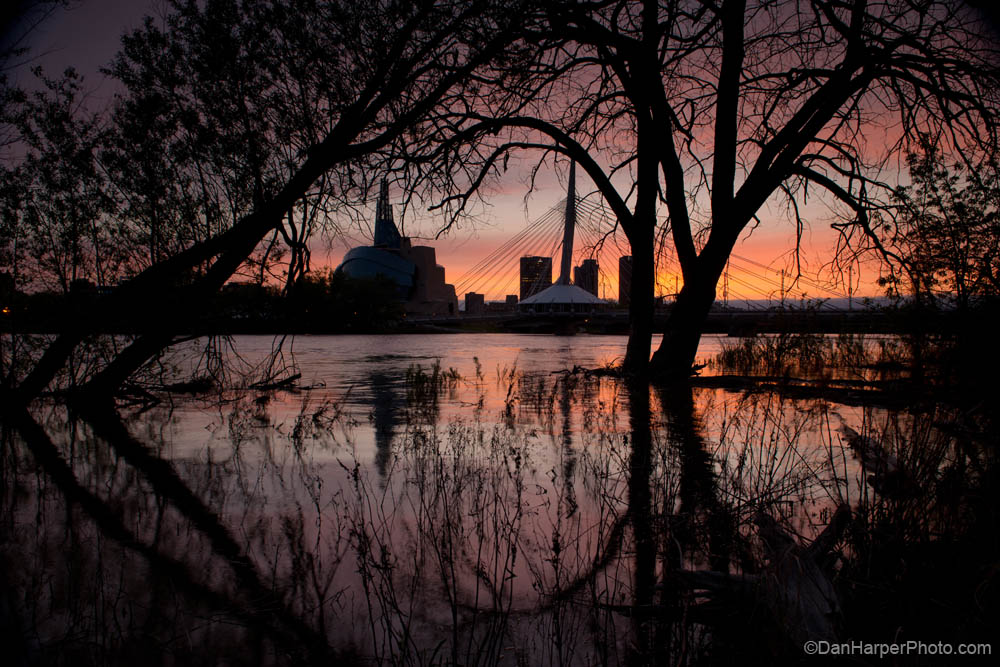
(87, 36)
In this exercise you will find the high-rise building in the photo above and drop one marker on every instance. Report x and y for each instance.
(475, 303)
(585, 276)
(536, 275)
(624, 280)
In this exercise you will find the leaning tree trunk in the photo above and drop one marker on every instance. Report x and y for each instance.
(155, 297)
(674, 360)
(183, 310)
(147, 299)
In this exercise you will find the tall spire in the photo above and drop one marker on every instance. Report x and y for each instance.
(386, 233)
(566, 268)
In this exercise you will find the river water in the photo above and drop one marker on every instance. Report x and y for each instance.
(461, 499)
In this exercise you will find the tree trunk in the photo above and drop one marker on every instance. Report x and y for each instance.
(640, 312)
(178, 313)
(674, 359)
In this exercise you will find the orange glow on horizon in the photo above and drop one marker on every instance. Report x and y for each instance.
(763, 265)
(755, 273)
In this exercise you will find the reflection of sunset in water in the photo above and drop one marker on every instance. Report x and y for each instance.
(486, 499)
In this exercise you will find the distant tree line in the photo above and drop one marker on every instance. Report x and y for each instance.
(321, 301)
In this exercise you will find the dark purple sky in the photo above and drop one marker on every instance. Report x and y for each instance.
(85, 35)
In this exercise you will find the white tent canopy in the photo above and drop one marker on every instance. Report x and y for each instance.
(562, 294)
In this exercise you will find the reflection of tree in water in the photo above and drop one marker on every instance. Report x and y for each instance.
(194, 593)
(467, 548)
(687, 523)
(694, 591)
(702, 520)
(219, 540)
(640, 514)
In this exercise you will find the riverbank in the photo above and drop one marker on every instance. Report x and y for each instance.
(731, 322)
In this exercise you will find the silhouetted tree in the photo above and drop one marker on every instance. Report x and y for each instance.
(239, 114)
(945, 237)
(18, 21)
(715, 110)
(55, 199)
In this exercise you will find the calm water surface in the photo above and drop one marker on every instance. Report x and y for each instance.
(455, 499)
(365, 377)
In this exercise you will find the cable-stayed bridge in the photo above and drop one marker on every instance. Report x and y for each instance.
(746, 283)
